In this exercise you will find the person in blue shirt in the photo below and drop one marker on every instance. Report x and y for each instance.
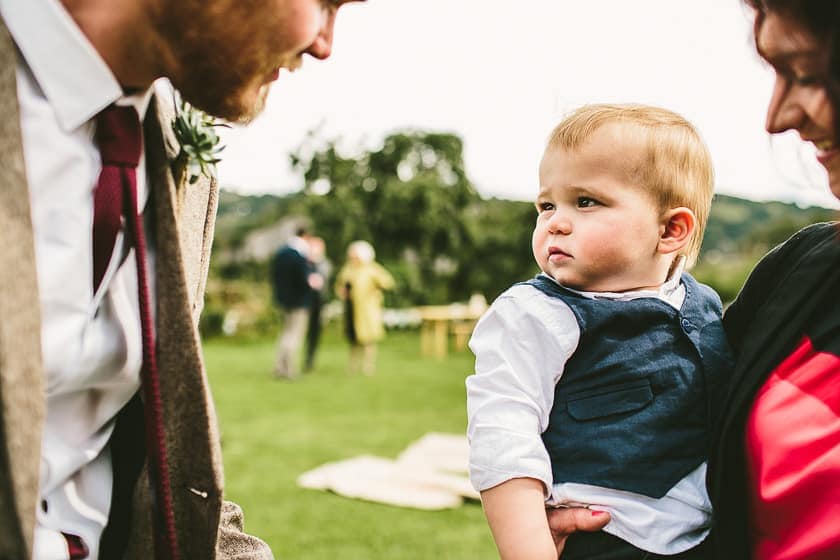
(595, 382)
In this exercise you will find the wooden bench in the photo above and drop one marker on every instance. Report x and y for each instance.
(461, 331)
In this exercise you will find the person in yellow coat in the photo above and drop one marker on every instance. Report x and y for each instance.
(359, 284)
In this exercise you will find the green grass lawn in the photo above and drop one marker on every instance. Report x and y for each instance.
(273, 430)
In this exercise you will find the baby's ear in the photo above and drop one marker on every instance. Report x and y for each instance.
(677, 226)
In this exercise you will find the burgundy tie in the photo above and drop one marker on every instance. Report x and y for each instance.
(119, 139)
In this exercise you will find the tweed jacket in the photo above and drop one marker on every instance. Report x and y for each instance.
(184, 216)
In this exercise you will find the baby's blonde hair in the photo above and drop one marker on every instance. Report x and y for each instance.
(676, 168)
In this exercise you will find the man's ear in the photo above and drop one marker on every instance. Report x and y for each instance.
(677, 226)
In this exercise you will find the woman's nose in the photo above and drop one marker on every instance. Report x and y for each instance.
(785, 112)
(321, 47)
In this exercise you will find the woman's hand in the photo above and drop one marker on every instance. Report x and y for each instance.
(564, 521)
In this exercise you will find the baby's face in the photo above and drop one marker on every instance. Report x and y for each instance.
(596, 230)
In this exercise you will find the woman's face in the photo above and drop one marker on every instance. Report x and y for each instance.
(800, 100)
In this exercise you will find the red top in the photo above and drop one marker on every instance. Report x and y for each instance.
(793, 459)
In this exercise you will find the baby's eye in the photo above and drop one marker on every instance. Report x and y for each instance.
(544, 207)
(586, 202)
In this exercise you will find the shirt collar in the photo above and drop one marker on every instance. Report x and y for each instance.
(299, 244)
(674, 279)
(77, 82)
(666, 291)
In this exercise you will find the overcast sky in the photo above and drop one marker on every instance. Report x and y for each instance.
(501, 73)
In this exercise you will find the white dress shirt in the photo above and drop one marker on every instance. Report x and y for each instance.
(91, 342)
(300, 245)
(521, 346)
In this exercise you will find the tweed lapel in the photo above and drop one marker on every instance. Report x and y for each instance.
(190, 423)
(21, 383)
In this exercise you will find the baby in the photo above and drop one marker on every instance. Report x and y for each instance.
(594, 381)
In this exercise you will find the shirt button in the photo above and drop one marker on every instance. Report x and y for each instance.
(686, 325)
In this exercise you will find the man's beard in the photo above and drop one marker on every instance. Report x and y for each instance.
(229, 99)
(224, 69)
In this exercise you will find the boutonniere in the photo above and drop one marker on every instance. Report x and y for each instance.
(195, 131)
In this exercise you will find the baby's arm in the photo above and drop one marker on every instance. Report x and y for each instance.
(521, 346)
(515, 511)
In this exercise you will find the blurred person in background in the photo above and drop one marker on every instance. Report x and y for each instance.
(295, 284)
(321, 266)
(87, 327)
(359, 284)
(774, 461)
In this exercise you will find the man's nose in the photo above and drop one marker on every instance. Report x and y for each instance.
(321, 47)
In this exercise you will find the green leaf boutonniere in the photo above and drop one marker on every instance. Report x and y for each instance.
(196, 134)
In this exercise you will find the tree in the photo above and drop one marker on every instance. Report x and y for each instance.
(408, 198)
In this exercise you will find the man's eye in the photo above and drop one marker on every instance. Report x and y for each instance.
(586, 202)
(807, 80)
(544, 206)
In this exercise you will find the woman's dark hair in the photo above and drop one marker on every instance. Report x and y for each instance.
(822, 19)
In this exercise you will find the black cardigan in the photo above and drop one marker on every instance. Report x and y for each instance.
(793, 291)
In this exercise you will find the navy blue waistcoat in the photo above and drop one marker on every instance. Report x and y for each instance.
(633, 408)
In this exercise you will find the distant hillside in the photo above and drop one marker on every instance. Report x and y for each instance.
(738, 225)
(240, 215)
